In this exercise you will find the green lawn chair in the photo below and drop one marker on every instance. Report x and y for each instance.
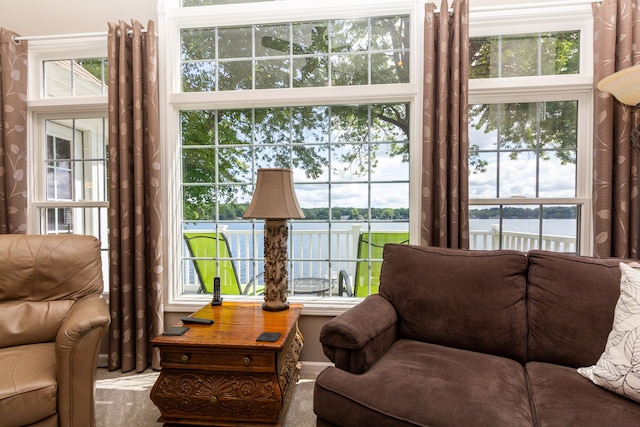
(211, 256)
(370, 246)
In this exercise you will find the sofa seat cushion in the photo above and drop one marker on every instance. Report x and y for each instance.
(417, 383)
(562, 397)
(27, 384)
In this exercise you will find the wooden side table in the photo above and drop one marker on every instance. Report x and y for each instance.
(220, 375)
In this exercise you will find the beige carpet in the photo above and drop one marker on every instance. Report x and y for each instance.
(122, 400)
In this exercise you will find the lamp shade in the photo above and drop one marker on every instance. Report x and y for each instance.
(274, 196)
(624, 85)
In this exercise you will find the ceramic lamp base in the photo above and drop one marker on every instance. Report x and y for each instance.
(276, 278)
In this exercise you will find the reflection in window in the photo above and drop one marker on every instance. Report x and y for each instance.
(298, 54)
(75, 77)
(539, 54)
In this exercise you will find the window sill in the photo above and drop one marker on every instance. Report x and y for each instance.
(319, 306)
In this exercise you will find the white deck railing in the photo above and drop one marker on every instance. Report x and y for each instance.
(310, 252)
(521, 241)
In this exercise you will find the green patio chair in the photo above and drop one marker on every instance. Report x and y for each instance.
(211, 256)
(370, 246)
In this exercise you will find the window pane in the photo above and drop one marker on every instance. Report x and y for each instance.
(57, 78)
(75, 77)
(296, 54)
(76, 160)
(530, 148)
(522, 227)
(272, 73)
(234, 42)
(199, 76)
(348, 70)
(310, 38)
(483, 175)
(349, 35)
(390, 33)
(312, 71)
(198, 43)
(273, 40)
(535, 54)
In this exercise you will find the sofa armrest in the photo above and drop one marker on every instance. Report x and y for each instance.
(77, 346)
(357, 338)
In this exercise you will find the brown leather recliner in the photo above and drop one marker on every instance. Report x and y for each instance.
(52, 319)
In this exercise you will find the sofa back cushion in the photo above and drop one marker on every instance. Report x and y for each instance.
(571, 300)
(473, 300)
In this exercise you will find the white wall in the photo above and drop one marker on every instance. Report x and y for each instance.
(42, 17)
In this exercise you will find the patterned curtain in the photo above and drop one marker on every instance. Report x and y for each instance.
(445, 195)
(135, 232)
(13, 134)
(615, 169)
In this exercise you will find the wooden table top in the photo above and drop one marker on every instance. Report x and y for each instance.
(236, 326)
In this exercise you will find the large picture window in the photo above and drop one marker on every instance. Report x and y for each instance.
(350, 172)
(254, 95)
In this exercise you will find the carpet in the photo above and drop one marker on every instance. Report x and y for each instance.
(122, 400)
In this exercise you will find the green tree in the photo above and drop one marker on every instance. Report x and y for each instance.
(291, 137)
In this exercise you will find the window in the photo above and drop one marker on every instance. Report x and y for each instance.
(311, 88)
(68, 107)
(529, 182)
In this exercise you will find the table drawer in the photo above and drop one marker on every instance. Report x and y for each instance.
(219, 359)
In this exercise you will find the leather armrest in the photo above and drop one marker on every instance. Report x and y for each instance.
(77, 346)
(357, 338)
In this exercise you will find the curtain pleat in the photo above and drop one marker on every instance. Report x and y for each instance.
(135, 232)
(615, 168)
(445, 220)
(13, 134)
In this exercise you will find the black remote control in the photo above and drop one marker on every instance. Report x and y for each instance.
(196, 321)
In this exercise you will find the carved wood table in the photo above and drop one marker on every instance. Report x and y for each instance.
(220, 375)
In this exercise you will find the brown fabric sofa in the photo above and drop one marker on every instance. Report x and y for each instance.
(52, 318)
(470, 338)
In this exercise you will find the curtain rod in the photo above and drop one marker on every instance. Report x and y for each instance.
(17, 39)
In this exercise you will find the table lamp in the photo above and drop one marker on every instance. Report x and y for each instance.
(274, 200)
(624, 85)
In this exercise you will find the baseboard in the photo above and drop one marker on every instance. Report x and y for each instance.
(103, 360)
(312, 369)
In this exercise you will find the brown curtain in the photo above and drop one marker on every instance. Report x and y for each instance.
(13, 134)
(445, 195)
(615, 169)
(135, 232)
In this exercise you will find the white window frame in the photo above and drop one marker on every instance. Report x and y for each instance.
(578, 87)
(170, 21)
(41, 108)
